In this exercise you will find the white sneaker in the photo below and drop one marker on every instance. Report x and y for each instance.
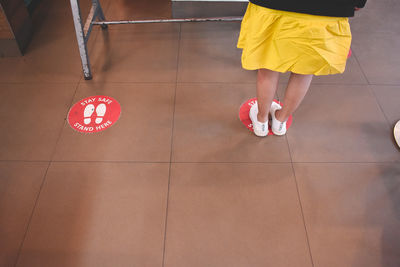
(260, 128)
(278, 127)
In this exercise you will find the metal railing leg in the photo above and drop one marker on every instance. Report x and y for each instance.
(100, 13)
(80, 37)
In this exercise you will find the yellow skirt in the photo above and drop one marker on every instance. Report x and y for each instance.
(286, 41)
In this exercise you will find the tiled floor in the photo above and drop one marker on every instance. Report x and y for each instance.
(178, 181)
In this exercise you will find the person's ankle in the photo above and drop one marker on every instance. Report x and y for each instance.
(278, 116)
(262, 119)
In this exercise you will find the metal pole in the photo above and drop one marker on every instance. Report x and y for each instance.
(100, 14)
(87, 28)
(83, 32)
(100, 10)
(231, 19)
(80, 37)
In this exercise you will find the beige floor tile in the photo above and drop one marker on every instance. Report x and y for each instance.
(340, 123)
(136, 53)
(48, 58)
(234, 215)
(352, 213)
(389, 100)
(32, 117)
(99, 214)
(139, 9)
(19, 187)
(377, 16)
(207, 127)
(378, 56)
(208, 53)
(143, 132)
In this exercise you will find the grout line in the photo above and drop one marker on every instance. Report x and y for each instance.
(343, 162)
(65, 120)
(172, 140)
(31, 216)
(39, 82)
(192, 82)
(203, 162)
(385, 84)
(73, 96)
(301, 206)
(359, 65)
(127, 82)
(16, 160)
(161, 162)
(283, 162)
(381, 108)
(167, 82)
(110, 161)
(373, 92)
(59, 135)
(302, 215)
(229, 162)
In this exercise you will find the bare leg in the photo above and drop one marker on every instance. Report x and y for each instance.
(294, 95)
(267, 83)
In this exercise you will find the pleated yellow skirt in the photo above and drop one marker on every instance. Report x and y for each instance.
(286, 41)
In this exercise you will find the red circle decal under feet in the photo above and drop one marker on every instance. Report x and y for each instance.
(245, 119)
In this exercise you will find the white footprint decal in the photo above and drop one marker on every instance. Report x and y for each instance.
(100, 111)
(87, 113)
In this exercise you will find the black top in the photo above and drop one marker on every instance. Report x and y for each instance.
(331, 8)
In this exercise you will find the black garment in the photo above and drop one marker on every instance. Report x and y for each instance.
(331, 8)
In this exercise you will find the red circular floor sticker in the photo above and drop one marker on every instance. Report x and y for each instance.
(245, 119)
(94, 114)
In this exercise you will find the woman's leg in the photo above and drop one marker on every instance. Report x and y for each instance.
(295, 92)
(267, 83)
